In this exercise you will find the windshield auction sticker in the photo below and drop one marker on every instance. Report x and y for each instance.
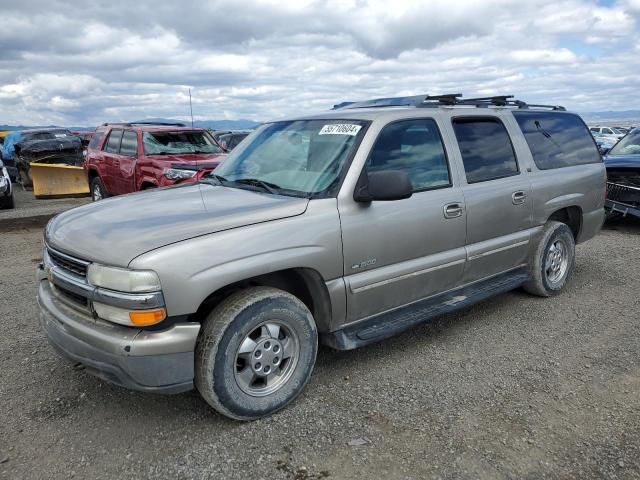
(340, 129)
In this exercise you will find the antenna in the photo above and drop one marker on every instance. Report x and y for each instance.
(191, 107)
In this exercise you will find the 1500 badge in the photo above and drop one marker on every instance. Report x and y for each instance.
(366, 263)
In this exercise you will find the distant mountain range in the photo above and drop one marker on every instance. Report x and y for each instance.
(624, 116)
(213, 124)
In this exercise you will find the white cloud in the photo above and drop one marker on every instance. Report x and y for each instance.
(266, 59)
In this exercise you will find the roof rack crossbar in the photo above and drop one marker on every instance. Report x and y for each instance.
(446, 100)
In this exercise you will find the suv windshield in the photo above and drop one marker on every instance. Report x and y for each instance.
(629, 145)
(172, 143)
(303, 157)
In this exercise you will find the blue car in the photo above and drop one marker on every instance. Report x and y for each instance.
(623, 176)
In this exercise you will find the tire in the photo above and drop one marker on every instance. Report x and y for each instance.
(553, 260)
(223, 372)
(7, 202)
(97, 190)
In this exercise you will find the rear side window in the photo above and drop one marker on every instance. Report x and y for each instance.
(129, 145)
(97, 137)
(487, 152)
(113, 142)
(414, 147)
(557, 140)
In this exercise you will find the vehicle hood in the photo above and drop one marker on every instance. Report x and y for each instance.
(116, 230)
(622, 161)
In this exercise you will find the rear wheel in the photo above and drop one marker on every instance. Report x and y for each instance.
(553, 260)
(256, 353)
(97, 190)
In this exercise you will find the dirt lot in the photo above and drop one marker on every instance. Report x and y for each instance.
(516, 387)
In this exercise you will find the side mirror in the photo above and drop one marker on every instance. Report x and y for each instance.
(385, 185)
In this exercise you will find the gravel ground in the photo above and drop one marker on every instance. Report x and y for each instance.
(515, 387)
(31, 210)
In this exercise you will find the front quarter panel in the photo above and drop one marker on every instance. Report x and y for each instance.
(193, 269)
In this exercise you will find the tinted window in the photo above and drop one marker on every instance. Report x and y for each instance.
(413, 146)
(129, 145)
(113, 143)
(97, 137)
(486, 149)
(557, 140)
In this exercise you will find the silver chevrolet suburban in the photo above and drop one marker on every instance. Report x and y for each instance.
(345, 227)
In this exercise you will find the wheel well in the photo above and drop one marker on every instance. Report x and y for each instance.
(146, 185)
(93, 173)
(572, 216)
(304, 283)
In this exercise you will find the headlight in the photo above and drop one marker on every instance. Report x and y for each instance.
(122, 279)
(178, 174)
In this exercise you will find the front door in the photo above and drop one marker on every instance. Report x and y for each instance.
(497, 195)
(401, 251)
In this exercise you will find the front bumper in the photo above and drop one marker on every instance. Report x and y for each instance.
(150, 361)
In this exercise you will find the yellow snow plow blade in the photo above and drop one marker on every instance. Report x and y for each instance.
(52, 180)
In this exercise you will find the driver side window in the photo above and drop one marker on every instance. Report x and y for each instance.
(415, 147)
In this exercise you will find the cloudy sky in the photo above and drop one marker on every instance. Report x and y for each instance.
(80, 63)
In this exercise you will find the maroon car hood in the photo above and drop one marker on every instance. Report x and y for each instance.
(194, 158)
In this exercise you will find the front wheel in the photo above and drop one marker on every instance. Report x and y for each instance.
(256, 353)
(553, 260)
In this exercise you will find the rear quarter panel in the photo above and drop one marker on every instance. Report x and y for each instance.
(582, 186)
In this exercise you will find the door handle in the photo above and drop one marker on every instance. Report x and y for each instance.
(518, 197)
(452, 210)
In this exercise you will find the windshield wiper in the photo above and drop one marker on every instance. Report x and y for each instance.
(271, 188)
(217, 179)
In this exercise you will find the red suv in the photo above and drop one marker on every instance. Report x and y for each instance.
(127, 157)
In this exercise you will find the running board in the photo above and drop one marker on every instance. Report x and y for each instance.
(393, 322)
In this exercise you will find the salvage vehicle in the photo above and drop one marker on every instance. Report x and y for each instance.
(230, 139)
(6, 189)
(8, 151)
(345, 227)
(623, 177)
(129, 157)
(45, 146)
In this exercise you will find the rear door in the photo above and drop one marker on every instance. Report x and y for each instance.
(401, 251)
(125, 163)
(111, 162)
(498, 197)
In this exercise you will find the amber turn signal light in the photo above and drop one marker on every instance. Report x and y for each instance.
(143, 318)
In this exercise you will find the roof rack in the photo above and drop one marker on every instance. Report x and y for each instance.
(446, 100)
(131, 124)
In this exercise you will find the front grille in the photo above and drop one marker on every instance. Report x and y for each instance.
(73, 297)
(623, 193)
(72, 265)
